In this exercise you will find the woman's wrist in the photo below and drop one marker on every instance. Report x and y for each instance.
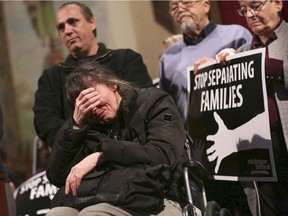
(75, 124)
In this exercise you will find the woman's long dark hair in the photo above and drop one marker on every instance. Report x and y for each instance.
(88, 74)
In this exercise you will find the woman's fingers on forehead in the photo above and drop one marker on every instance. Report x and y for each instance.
(89, 98)
(87, 94)
(88, 90)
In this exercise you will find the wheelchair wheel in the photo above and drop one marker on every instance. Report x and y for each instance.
(212, 209)
(225, 212)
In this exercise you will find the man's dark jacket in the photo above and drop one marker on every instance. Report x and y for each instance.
(51, 108)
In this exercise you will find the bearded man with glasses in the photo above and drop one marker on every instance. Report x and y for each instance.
(201, 37)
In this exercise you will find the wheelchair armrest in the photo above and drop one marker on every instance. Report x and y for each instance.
(194, 171)
(197, 169)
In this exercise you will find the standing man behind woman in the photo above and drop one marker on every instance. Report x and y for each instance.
(76, 28)
(269, 31)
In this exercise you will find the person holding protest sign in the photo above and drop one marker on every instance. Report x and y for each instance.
(201, 37)
(269, 31)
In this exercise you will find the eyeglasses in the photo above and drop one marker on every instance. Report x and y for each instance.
(174, 7)
(255, 6)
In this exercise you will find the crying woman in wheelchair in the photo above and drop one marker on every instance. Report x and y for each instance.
(122, 151)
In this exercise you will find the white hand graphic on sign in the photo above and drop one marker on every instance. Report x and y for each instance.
(226, 140)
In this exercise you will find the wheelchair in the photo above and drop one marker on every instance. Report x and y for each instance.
(194, 174)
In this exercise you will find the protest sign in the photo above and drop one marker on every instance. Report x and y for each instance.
(228, 118)
(33, 197)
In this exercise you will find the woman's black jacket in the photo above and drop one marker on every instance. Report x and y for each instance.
(151, 133)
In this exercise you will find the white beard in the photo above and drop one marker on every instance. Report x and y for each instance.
(189, 26)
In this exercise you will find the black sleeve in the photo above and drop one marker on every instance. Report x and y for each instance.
(66, 152)
(133, 68)
(48, 115)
